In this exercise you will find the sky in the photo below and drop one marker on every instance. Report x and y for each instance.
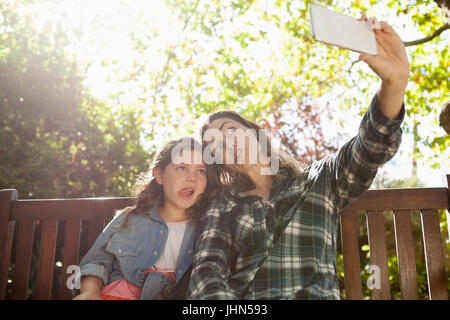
(110, 41)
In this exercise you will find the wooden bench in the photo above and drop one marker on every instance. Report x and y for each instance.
(84, 219)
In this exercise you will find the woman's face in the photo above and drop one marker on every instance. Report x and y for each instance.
(236, 144)
(183, 182)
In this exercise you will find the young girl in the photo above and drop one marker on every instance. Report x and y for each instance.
(146, 249)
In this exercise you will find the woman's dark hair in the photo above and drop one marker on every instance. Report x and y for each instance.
(149, 192)
(239, 180)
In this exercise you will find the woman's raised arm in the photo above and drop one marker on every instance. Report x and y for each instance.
(391, 65)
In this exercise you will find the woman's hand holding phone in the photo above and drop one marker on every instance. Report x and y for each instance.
(391, 65)
(391, 62)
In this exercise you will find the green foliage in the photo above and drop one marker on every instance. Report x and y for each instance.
(258, 56)
(411, 182)
(55, 139)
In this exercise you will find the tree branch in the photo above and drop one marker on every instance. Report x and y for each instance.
(430, 37)
(416, 42)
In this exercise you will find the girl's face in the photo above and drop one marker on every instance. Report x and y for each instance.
(182, 183)
(238, 143)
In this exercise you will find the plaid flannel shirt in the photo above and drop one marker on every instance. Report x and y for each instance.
(285, 247)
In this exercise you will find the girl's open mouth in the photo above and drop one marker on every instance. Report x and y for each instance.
(186, 193)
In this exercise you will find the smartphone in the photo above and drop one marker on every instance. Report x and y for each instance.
(340, 30)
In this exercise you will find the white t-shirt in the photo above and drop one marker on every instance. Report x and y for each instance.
(167, 262)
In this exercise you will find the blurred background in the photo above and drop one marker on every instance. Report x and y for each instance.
(90, 89)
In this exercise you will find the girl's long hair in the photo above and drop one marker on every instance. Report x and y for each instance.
(149, 192)
(239, 180)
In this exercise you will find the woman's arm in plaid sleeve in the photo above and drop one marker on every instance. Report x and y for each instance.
(210, 270)
(355, 165)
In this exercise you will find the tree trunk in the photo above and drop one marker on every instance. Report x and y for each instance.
(445, 6)
(444, 117)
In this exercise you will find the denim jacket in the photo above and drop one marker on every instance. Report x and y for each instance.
(118, 254)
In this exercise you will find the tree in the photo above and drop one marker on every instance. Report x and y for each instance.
(299, 129)
(55, 139)
(257, 57)
(444, 117)
(445, 7)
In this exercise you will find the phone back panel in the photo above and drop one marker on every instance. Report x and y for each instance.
(341, 30)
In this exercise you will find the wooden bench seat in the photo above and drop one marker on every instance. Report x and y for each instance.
(84, 219)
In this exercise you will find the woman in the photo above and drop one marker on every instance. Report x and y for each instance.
(274, 236)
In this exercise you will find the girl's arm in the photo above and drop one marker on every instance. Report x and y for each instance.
(97, 264)
(90, 288)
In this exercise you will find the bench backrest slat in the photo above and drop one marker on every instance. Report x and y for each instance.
(44, 279)
(24, 247)
(434, 258)
(401, 199)
(6, 258)
(406, 256)
(377, 245)
(7, 198)
(96, 226)
(85, 209)
(71, 251)
(350, 250)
